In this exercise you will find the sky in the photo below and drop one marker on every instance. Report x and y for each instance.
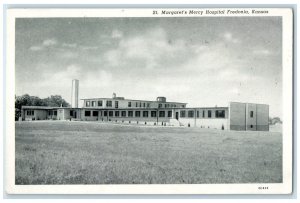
(203, 61)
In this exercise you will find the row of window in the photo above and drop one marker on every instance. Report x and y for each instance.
(130, 104)
(50, 113)
(30, 113)
(129, 113)
(190, 114)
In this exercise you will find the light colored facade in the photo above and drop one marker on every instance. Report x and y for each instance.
(237, 116)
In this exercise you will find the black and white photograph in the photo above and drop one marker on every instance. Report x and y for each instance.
(161, 97)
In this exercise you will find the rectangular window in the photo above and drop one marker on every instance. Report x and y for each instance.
(130, 113)
(105, 113)
(55, 113)
(117, 113)
(169, 114)
(30, 112)
(161, 114)
(251, 114)
(129, 104)
(71, 113)
(159, 105)
(136, 104)
(144, 105)
(116, 104)
(100, 103)
(87, 103)
(140, 104)
(110, 113)
(109, 103)
(209, 114)
(203, 114)
(137, 113)
(93, 103)
(87, 113)
(165, 105)
(220, 113)
(191, 114)
(145, 113)
(148, 105)
(153, 114)
(182, 114)
(49, 113)
(95, 113)
(198, 114)
(123, 113)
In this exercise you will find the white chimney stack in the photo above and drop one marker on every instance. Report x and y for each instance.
(74, 97)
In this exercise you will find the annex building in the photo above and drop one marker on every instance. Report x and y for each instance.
(160, 112)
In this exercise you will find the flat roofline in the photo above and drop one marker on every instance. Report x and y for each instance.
(248, 103)
(131, 100)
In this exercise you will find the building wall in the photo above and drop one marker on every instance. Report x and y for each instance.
(213, 123)
(134, 104)
(262, 111)
(237, 116)
(250, 116)
(39, 114)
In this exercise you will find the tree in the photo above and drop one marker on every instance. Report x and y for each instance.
(56, 101)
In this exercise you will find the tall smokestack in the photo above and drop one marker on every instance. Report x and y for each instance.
(74, 97)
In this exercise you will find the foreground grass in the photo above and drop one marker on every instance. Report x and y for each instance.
(94, 153)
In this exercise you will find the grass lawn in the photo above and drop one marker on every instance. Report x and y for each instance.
(63, 152)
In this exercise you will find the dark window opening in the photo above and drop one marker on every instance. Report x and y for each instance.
(71, 113)
(203, 114)
(93, 103)
(159, 105)
(129, 104)
(117, 113)
(153, 114)
(55, 113)
(220, 113)
(182, 114)
(123, 113)
(209, 114)
(130, 113)
(105, 113)
(251, 114)
(95, 113)
(145, 113)
(191, 114)
(109, 103)
(198, 114)
(161, 113)
(100, 103)
(87, 113)
(137, 113)
(169, 114)
(116, 104)
(251, 126)
(110, 113)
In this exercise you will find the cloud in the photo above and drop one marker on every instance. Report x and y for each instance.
(49, 42)
(228, 37)
(74, 45)
(116, 34)
(149, 49)
(261, 52)
(89, 47)
(36, 48)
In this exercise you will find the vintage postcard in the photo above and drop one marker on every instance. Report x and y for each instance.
(149, 101)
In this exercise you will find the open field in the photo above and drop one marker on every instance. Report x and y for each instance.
(62, 152)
